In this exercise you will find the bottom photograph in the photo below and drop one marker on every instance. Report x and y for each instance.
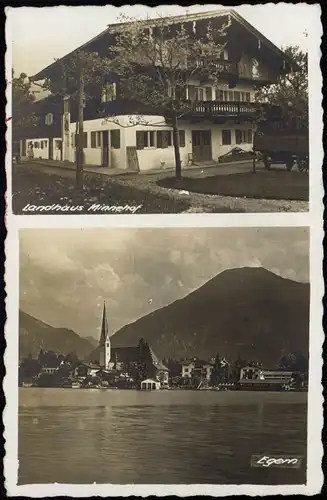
(163, 356)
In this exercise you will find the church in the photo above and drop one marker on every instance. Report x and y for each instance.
(126, 359)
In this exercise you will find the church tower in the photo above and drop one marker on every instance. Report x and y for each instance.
(104, 344)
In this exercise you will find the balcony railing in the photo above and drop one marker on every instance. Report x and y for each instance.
(225, 67)
(224, 108)
(232, 109)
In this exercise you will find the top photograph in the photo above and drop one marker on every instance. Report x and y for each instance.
(136, 110)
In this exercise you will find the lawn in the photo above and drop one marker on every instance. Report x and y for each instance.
(37, 188)
(270, 185)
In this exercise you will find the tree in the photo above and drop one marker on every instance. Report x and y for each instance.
(144, 365)
(23, 116)
(237, 365)
(291, 90)
(153, 64)
(216, 374)
(79, 76)
(294, 361)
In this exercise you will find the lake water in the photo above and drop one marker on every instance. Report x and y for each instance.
(166, 437)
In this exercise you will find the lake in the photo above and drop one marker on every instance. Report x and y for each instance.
(79, 436)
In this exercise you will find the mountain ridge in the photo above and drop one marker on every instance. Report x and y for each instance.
(35, 334)
(251, 288)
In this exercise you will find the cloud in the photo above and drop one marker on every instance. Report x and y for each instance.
(66, 274)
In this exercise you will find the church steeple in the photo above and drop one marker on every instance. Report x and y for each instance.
(104, 326)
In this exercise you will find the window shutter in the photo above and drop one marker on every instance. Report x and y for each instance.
(219, 95)
(93, 139)
(191, 92)
(182, 138)
(84, 139)
(115, 139)
(165, 139)
(159, 139)
(237, 96)
(226, 137)
(139, 139)
(238, 136)
(208, 93)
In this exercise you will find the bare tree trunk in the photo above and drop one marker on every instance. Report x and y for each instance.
(254, 153)
(178, 163)
(80, 145)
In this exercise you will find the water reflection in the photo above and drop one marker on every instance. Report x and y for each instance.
(180, 442)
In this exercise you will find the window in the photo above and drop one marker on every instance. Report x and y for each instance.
(226, 137)
(164, 139)
(182, 138)
(203, 93)
(199, 94)
(145, 139)
(108, 92)
(115, 139)
(243, 136)
(151, 136)
(49, 119)
(237, 96)
(96, 139)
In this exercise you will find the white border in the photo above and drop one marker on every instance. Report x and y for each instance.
(313, 220)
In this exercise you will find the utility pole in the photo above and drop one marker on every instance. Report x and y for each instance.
(80, 141)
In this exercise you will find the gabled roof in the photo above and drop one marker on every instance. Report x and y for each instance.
(156, 362)
(112, 28)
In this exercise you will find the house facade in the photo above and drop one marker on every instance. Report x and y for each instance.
(257, 377)
(197, 368)
(217, 117)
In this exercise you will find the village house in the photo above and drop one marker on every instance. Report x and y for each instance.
(219, 117)
(255, 376)
(197, 368)
(123, 361)
(150, 384)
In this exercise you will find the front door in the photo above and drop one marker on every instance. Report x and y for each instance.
(23, 148)
(105, 148)
(201, 145)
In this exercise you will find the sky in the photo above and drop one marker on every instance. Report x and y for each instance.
(67, 274)
(40, 35)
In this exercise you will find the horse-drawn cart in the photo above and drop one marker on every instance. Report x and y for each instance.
(288, 147)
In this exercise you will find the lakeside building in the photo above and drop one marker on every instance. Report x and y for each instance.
(122, 361)
(219, 116)
(257, 377)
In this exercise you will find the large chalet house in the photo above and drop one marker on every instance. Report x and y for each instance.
(220, 116)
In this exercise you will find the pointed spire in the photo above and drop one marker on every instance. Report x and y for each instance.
(104, 326)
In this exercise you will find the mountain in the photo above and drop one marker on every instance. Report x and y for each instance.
(247, 312)
(94, 342)
(35, 335)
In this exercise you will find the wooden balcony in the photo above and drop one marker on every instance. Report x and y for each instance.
(224, 67)
(216, 108)
(219, 109)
